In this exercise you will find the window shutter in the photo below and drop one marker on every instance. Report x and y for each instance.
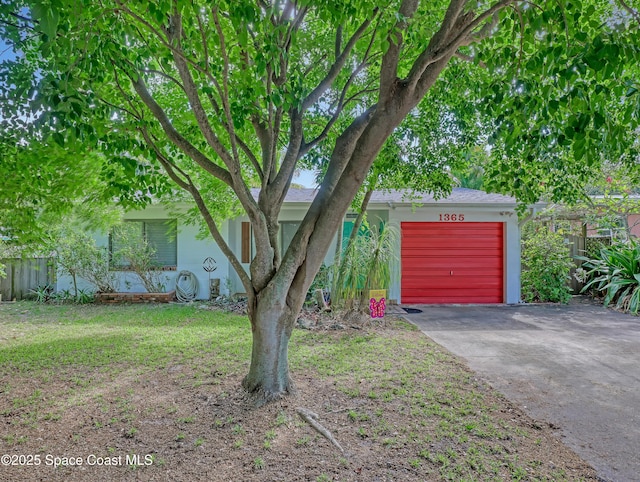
(246, 243)
(161, 236)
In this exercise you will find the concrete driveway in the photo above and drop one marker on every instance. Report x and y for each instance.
(576, 367)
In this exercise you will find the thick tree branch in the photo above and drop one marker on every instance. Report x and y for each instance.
(390, 59)
(337, 66)
(340, 104)
(454, 10)
(187, 184)
(448, 39)
(262, 134)
(182, 143)
(295, 257)
(231, 161)
(225, 86)
(283, 178)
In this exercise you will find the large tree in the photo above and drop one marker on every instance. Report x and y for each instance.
(229, 95)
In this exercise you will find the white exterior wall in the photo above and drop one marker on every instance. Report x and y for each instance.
(191, 253)
(472, 213)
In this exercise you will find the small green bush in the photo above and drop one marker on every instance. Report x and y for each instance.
(546, 265)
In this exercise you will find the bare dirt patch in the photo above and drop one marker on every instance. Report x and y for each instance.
(170, 423)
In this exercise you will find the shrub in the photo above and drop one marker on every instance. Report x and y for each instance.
(135, 253)
(546, 265)
(616, 272)
(78, 256)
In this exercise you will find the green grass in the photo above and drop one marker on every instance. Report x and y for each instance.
(118, 337)
(402, 391)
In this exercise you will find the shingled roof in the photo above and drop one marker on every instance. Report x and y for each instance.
(459, 195)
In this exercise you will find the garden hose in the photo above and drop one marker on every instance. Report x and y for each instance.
(186, 286)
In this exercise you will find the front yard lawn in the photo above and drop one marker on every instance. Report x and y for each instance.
(151, 392)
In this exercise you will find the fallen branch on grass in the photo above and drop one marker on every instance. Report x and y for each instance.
(312, 419)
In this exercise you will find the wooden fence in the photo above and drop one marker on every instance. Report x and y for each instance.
(24, 275)
(577, 246)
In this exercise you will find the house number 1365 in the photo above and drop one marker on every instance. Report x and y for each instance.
(452, 217)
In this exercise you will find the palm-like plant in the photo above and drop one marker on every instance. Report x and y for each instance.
(366, 265)
(616, 272)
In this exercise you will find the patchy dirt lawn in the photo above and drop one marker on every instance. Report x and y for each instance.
(400, 406)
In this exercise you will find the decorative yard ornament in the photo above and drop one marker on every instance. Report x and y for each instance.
(209, 265)
(377, 303)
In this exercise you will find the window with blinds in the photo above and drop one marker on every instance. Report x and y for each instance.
(161, 234)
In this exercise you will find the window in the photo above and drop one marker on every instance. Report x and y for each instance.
(288, 230)
(160, 234)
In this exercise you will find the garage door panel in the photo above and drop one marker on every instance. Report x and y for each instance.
(452, 262)
(458, 243)
(455, 296)
(447, 228)
(429, 263)
(459, 273)
(469, 279)
(451, 253)
(452, 293)
(472, 234)
(453, 284)
(452, 300)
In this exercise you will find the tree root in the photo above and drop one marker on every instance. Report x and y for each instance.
(312, 419)
(259, 396)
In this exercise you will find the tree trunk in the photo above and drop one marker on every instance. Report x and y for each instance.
(337, 257)
(358, 221)
(75, 285)
(271, 325)
(352, 239)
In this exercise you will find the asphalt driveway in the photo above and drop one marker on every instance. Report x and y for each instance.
(576, 367)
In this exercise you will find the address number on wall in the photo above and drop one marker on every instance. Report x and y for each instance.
(451, 217)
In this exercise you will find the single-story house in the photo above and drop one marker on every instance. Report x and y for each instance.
(464, 248)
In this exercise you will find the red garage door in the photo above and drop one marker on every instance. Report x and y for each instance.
(452, 262)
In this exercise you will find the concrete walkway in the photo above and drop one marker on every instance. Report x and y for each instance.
(576, 367)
